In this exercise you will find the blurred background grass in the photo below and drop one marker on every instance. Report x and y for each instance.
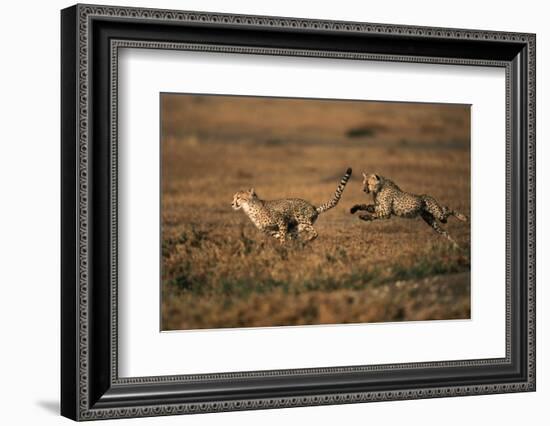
(218, 270)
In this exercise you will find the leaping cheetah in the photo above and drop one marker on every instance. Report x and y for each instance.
(390, 200)
(288, 217)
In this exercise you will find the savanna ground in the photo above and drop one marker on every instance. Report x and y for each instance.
(218, 270)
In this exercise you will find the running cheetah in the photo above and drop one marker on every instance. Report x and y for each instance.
(286, 218)
(389, 200)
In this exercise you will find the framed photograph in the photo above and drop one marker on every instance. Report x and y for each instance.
(263, 212)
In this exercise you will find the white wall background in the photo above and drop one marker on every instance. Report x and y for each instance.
(29, 212)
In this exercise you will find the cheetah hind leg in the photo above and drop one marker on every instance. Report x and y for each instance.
(444, 212)
(448, 212)
(430, 220)
(309, 230)
(441, 213)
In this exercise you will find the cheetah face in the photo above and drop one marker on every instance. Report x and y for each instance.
(243, 197)
(371, 183)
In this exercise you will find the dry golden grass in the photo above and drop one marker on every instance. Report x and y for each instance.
(219, 271)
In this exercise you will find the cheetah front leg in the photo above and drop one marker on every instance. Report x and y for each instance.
(282, 232)
(430, 220)
(370, 217)
(369, 208)
(366, 207)
(376, 211)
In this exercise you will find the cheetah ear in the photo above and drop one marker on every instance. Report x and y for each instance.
(377, 177)
(364, 175)
(252, 191)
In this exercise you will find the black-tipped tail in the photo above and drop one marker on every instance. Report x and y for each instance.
(337, 195)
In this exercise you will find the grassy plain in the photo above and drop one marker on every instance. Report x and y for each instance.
(218, 270)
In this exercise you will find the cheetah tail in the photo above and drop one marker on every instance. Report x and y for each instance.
(460, 216)
(336, 197)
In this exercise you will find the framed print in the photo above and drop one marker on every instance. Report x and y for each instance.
(263, 212)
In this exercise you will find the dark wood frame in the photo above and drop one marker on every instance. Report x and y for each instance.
(90, 386)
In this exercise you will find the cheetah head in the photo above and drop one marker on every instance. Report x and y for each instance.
(371, 183)
(243, 197)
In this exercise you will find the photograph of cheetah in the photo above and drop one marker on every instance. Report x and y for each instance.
(390, 200)
(256, 194)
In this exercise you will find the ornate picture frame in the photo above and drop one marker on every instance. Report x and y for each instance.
(91, 37)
